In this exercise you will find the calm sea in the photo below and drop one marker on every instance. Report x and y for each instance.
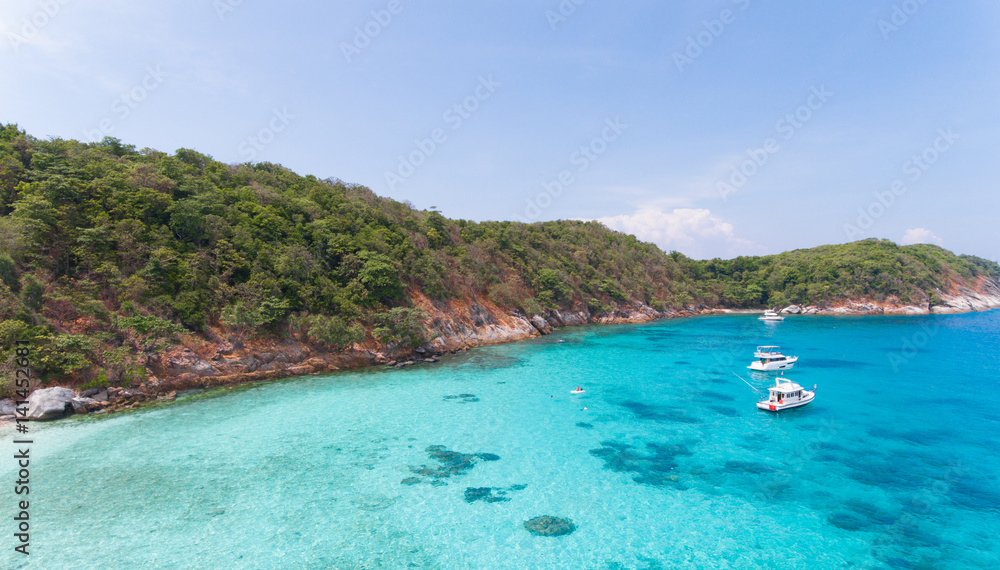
(664, 462)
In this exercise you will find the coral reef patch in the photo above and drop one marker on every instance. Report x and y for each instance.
(657, 467)
(547, 525)
(452, 463)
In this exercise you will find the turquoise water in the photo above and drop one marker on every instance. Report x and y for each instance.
(664, 463)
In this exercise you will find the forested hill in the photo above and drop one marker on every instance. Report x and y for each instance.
(107, 250)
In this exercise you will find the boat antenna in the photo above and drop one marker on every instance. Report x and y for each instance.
(747, 383)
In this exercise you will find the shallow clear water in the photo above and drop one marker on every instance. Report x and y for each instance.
(664, 463)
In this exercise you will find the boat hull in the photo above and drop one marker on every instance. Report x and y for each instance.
(769, 406)
(772, 366)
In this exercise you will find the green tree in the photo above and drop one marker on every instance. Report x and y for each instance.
(380, 278)
(146, 332)
(248, 317)
(334, 331)
(401, 327)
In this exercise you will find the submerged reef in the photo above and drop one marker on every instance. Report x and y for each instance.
(463, 398)
(547, 525)
(490, 494)
(653, 468)
(452, 463)
(659, 413)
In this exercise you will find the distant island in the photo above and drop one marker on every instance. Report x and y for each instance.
(143, 273)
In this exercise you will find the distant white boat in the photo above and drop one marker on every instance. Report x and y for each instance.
(770, 315)
(578, 390)
(786, 394)
(770, 359)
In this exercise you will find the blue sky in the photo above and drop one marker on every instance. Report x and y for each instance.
(711, 128)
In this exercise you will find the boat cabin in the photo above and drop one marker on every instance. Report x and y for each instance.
(781, 394)
(776, 358)
(769, 354)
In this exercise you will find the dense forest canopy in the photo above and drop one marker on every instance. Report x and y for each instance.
(107, 251)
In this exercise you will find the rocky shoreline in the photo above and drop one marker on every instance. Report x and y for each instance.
(961, 300)
(453, 326)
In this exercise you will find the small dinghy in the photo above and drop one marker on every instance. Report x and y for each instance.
(786, 394)
(578, 390)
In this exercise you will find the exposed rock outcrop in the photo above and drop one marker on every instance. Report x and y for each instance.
(960, 299)
(50, 403)
(964, 299)
(461, 323)
(541, 324)
(189, 363)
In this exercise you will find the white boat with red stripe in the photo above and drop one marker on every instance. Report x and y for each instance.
(785, 395)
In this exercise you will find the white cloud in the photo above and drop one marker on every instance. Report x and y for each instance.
(694, 232)
(920, 235)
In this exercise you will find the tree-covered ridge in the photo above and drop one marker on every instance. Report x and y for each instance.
(109, 251)
(873, 269)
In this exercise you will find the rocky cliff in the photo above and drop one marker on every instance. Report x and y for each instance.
(982, 295)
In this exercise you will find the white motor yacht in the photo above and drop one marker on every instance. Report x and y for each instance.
(769, 359)
(770, 315)
(786, 394)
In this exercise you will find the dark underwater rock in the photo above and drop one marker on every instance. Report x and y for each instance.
(847, 521)
(656, 467)
(452, 463)
(728, 412)
(490, 494)
(547, 525)
(473, 494)
(659, 413)
(463, 398)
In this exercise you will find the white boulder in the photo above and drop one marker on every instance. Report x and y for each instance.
(50, 403)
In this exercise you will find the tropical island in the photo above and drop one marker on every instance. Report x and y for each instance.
(133, 274)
